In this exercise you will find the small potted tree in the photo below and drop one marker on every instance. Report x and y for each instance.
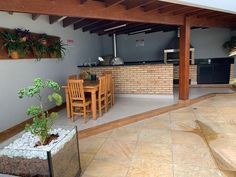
(42, 150)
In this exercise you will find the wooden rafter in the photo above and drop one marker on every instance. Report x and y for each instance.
(71, 20)
(82, 1)
(141, 27)
(169, 9)
(53, 18)
(131, 4)
(94, 25)
(187, 12)
(125, 28)
(110, 3)
(35, 16)
(101, 29)
(83, 23)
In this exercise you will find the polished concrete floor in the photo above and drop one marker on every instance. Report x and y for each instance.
(127, 106)
(167, 145)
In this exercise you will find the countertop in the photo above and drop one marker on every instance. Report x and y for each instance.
(127, 64)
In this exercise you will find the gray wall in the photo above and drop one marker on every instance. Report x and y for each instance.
(207, 42)
(20, 73)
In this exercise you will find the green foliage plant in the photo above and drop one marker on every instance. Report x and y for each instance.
(231, 46)
(42, 119)
(57, 49)
(12, 42)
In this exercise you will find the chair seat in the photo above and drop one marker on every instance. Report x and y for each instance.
(80, 103)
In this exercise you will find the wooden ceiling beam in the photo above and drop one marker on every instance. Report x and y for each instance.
(152, 7)
(127, 27)
(35, 16)
(110, 3)
(96, 10)
(205, 15)
(53, 18)
(82, 1)
(187, 11)
(169, 9)
(92, 25)
(131, 4)
(102, 29)
(83, 23)
(136, 29)
(71, 20)
(98, 25)
(104, 26)
(182, 11)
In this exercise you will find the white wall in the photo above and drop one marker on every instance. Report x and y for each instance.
(16, 74)
(207, 42)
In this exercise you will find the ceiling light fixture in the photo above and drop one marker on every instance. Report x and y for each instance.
(62, 18)
(115, 27)
(140, 31)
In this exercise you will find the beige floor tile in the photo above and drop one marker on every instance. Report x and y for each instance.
(127, 133)
(182, 115)
(101, 168)
(188, 138)
(161, 152)
(193, 171)
(85, 159)
(157, 123)
(184, 124)
(194, 156)
(116, 150)
(155, 136)
(91, 145)
(149, 168)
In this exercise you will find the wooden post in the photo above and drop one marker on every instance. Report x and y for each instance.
(184, 60)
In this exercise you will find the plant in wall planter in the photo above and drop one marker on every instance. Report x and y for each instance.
(231, 46)
(39, 49)
(13, 44)
(42, 150)
(24, 34)
(43, 39)
(57, 49)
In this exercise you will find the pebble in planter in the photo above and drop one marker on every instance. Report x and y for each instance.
(42, 151)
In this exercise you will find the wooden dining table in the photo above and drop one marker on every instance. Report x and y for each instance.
(89, 87)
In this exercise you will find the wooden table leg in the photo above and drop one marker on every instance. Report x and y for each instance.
(67, 104)
(94, 105)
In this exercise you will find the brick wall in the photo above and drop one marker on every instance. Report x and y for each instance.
(231, 73)
(139, 79)
(192, 74)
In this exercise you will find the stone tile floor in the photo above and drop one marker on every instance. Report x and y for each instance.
(163, 146)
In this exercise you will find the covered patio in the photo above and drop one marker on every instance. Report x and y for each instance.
(172, 80)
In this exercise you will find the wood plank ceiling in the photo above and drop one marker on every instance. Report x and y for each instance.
(108, 26)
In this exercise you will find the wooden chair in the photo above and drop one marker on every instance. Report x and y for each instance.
(110, 88)
(77, 99)
(72, 77)
(102, 101)
(109, 95)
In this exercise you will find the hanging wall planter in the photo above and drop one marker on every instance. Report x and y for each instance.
(20, 43)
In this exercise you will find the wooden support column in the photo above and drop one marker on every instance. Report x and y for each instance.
(184, 60)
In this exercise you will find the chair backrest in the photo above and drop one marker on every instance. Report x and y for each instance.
(109, 82)
(76, 90)
(102, 85)
(72, 77)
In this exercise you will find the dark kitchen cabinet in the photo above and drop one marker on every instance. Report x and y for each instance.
(215, 72)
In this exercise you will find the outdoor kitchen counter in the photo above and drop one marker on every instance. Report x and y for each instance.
(146, 79)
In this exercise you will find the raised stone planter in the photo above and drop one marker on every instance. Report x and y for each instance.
(58, 159)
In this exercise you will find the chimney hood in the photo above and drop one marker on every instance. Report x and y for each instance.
(171, 51)
(116, 60)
